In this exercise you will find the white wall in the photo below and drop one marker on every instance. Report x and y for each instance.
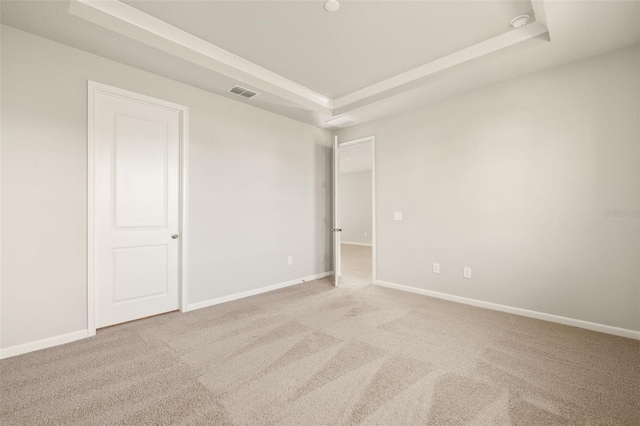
(258, 188)
(513, 180)
(355, 207)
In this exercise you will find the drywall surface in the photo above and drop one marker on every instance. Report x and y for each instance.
(533, 183)
(355, 207)
(258, 188)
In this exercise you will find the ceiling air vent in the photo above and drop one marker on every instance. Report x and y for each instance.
(340, 121)
(242, 91)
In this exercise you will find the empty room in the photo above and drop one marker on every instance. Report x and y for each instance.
(320, 212)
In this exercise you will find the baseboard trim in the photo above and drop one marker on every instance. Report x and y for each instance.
(81, 334)
(353, 243)
(623, 332)
(242, 295)
(24, 348)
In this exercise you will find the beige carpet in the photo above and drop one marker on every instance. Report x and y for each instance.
(313, 354)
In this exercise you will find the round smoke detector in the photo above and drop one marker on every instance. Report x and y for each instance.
(520, 20)
(331, 5)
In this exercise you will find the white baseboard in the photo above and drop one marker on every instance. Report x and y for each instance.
(81, 334)
(43, 343)
(353, 243)
(236, 296)
(624, 332)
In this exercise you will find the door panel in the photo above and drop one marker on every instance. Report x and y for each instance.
(133, 276)
(137, 154)
(140, 172)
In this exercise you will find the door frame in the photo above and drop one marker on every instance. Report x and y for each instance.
(369, 139)
(93, 88)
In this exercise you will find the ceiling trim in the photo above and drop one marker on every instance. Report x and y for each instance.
(540, 13)
(135, 24)
(477, 50)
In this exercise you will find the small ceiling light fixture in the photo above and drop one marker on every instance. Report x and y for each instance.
(331, 5)
(340, 121)
(520, 20)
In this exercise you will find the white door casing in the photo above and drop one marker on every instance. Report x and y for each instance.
(336, 231)
(136, 233)
(336, 214)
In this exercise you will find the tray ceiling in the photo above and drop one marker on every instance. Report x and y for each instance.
(335, 54)
(368, 60)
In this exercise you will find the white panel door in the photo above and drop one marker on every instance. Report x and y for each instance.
(336, 230)
(137, 201)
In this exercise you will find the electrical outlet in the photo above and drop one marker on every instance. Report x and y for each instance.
(436, 268)
(290, 260)
(467, 272)
(397, 215)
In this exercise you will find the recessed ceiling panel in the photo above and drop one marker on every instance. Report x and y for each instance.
(335, 54)
(578, 29)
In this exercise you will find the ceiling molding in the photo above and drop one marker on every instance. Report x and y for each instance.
(133, 23)
(477, 50)
(137, 25)
(540, 13)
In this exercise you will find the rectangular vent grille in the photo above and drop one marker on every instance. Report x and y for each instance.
(340, 121)
(242, 91)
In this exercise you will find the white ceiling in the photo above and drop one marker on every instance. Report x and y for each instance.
(312, 56)
(335, 54)
(356, 158)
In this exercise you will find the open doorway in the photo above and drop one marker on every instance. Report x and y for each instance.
(355, 196)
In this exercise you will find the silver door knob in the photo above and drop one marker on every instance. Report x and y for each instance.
(174, 236)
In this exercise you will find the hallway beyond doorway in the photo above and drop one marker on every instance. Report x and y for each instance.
(356, 265)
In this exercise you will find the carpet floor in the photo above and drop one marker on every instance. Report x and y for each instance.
(313, 354)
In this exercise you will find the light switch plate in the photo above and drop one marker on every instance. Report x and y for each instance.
(290, 260)
(397, 215)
